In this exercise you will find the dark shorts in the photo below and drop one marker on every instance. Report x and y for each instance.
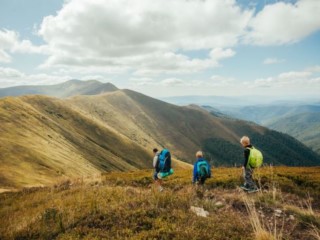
(201, 180)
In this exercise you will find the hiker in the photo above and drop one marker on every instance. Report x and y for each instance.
(249, 164)
(201, 169)
(162, 166)
(155, 174)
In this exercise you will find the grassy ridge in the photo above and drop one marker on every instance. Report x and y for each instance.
(128, 206)
(44, 138)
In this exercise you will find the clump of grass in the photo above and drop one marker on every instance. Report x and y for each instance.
(305, 213)
(315, 232)
(259, 229)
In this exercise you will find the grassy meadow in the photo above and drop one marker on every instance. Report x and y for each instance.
(127, 205)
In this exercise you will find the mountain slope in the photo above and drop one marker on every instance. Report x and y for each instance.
(304, 126)
(185, 130)
(44, 138)
(66, 89)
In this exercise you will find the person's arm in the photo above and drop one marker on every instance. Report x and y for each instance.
(195, 173)
(155, 159)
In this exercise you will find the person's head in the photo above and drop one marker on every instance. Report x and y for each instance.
(245, 141)
(199, 154)
(155, 150)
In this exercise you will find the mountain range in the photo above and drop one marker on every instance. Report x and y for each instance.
(303, 126)
(300, 121)
(46, 138)
(62, 90)
(294, 116)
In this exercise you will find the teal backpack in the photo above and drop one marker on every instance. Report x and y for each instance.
(203, 169)
(255, 158)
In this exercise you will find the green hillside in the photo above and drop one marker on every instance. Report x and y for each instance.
(305, 127)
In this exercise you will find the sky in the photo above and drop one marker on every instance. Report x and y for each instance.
(267, 48)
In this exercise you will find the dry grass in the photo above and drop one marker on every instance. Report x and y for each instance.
(315, 232)
(121, 205)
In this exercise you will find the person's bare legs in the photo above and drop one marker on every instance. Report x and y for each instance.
(159, 184)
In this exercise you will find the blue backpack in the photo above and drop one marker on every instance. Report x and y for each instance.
(164, 161)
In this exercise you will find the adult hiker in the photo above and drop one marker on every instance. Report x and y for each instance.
(252, 159)
(162, 166)
(201, 169)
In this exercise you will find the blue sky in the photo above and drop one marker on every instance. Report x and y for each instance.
(244, 47)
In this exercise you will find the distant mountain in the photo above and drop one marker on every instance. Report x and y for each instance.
(62, 90)
(236, 102)
(304, 126)
(299, 121)
(215, 112)
(214, 101)
(43, 138)
(266, 114)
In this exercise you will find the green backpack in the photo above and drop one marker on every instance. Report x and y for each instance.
(255, 158)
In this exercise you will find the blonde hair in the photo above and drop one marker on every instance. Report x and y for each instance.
(199, 154)
(245, 140)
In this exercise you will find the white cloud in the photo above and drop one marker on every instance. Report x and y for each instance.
(10, 73)
(282, 23)
(294, 75)
(315, 81)
(221, 80)
(143, 35)
(313, 69)
(169, 62)
(10, 42)
(214, 81)
(14, 77)
(4, 57)
(219, 53)
(269, 61)
(172, 82)
(143, 81)
(287, 81)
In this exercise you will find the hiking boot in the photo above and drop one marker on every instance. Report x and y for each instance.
(245, 187)
(252, 190)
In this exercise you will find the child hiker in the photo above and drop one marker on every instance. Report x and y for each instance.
(201, 169)
(252, 159)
